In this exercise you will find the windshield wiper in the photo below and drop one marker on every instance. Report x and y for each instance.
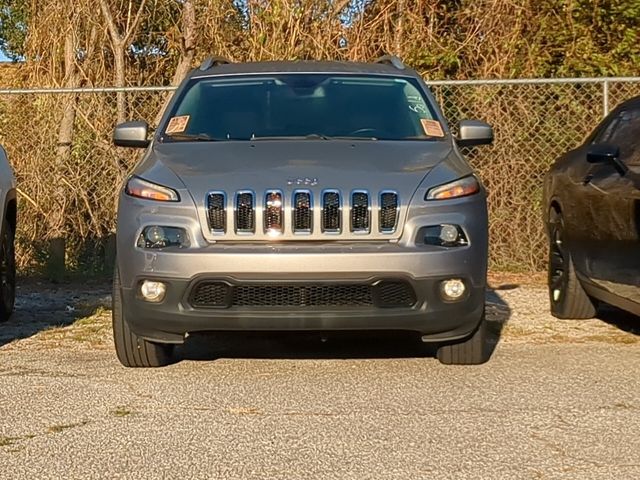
(311, 136)
(192, 137)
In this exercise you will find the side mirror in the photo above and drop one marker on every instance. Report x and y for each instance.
(474, 132)
(606, 153)
(131, 134)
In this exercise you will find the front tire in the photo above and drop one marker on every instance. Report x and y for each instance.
(566, 295)
(472, 351)
(132, 350)
(7, 272)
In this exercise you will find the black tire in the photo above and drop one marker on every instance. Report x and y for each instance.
(472, 351)
(567, 298)
(7, 272)
(133, 351)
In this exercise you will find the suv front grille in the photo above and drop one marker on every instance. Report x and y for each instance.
(244, 217)
(382, 294)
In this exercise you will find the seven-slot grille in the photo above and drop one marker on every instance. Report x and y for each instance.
(359, 210)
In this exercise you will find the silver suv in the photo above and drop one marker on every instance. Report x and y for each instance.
(315, 196)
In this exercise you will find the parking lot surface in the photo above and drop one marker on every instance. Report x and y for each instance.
(558, 399)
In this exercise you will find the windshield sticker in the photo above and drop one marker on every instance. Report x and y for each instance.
(177, 124)
(432, 127)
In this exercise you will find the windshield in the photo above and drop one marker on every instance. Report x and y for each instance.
(307, 106)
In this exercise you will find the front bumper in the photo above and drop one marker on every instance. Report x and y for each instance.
(422, 268)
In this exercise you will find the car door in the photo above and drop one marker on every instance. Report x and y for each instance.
(610, 204)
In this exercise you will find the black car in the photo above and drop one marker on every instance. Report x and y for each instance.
(592, 214)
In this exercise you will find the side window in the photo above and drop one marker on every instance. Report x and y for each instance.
(605, 134)
(626, 135)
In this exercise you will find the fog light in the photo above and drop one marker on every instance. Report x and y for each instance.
(153, 291)
(452, 289)
(448, 233)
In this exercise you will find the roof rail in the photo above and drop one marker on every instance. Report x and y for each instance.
(213, 62)
(391, 60)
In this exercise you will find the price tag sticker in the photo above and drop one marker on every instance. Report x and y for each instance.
(432, 127)
(177, 124)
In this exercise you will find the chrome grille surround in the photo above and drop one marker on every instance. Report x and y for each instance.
(331, 211)
(273, 212)
(302, 212)
(388, 211)
(360, 211)
(245, 212)
(217, 212)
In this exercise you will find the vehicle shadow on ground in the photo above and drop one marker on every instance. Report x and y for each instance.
(336, 345)
(620, 319)
(41, 305)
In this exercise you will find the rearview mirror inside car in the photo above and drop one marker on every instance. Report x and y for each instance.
(606, 153)
(131, 134)
(474, 132)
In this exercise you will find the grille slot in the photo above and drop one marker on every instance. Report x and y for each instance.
(245, 212)
(331, 212)
(210, 294)
(360, 211)
(388, 211)
(390, 294)
(302, 212)
(217, 212)
(273, 212)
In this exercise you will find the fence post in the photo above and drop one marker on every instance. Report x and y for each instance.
(605, 98)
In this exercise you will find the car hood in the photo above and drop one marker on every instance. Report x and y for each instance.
(266, 164)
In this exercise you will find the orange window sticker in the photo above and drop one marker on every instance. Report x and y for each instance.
(432, 127)
(177, 124)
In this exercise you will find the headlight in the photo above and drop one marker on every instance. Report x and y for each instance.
(459, 188)
(137, 187)
(156, 236)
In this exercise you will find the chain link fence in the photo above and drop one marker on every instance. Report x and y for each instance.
(68, 189)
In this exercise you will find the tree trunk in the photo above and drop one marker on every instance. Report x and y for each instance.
(121, 105)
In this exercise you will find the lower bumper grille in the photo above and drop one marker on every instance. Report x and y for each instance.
(382, 294)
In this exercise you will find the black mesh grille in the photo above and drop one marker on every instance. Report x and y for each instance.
(331, 221)
(217, 212)
(388, 211)
(360, 211)
(273, 216)
(245, 215)
(384, 294)
(395, 294)
(302, 213)
(339, 295)
(210, 294)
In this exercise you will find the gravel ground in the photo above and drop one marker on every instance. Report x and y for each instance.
(557, 400)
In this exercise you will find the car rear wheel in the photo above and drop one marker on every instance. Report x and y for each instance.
(566, 295)
(7, 272)
(132, 350)
(472, 351)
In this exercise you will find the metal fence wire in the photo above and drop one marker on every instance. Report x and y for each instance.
(68, 189)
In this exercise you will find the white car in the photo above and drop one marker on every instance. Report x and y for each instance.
(7, 232)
